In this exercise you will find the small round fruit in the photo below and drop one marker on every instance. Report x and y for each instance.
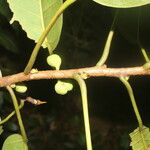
(69, 86)
(60, 88)
(54, 60)
(21, 88)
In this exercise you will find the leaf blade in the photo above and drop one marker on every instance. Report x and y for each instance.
(140, 139)
(34, 18)
(123, 3)
(14, 142)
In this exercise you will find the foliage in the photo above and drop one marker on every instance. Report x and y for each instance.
(34, 20)
(122, 3)
(15, 142)
(140, 139)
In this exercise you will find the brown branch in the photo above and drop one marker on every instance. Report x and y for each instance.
(59, 74)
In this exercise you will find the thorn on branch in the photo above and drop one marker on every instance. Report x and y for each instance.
(35, 102)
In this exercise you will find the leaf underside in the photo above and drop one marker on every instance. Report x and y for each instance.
(34, 16)
(140, 139)
(14, 142)
(123, 3)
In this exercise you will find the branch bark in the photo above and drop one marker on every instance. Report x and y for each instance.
(60, 74)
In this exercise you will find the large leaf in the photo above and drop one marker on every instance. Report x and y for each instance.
(140, 139)
(34, 16)
(123, 3)
(14, 142)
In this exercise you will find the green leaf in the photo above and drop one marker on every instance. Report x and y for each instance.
(14, 142)
(140, 139)
(123, 3)
(34, 16)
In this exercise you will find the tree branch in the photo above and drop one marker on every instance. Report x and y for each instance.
(60, 74)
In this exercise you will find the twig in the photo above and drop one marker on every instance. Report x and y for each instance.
(34, 101)
(60, 74)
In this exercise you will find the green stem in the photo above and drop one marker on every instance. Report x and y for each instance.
(146, 66)
(83, 90)
(33, 56)
(145, 55)
(132, 98)
(11, 114)
(19, 118)
(108, 43)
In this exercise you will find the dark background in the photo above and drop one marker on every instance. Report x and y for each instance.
(58, 125)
